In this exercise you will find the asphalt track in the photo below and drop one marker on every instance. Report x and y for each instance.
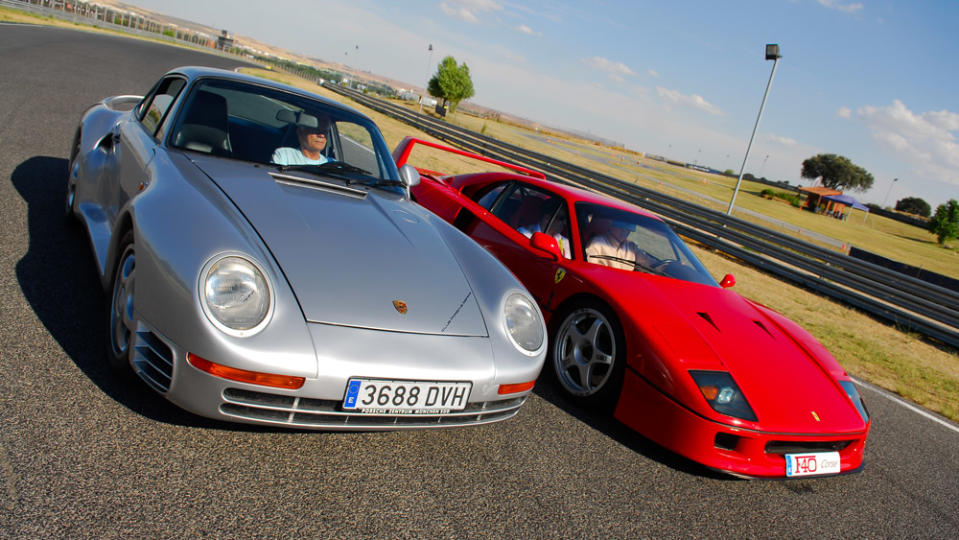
(84, 454)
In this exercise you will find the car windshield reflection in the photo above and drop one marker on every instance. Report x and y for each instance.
(248, 122)
(630, 241)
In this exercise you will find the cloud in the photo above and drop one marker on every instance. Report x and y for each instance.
(528, 31)
(468, 10)
(844, 112)
(839, 6)
(785, 141)
(615, 70)
(695, 101)
(653, 73)
(925, 140)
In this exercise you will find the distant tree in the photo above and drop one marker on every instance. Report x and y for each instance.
(914, 205)
(729, 172)
(837, 172)
(451, 83)
(945, 223)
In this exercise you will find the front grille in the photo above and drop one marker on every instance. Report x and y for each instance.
(312, 413)
(153, 360)
(804, 447)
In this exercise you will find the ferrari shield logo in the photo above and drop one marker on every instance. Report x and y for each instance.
(400, 306)
(816, 416)
(560, 274)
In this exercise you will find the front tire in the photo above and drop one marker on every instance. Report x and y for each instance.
(122, 319)
(71, 191)
(588, 355)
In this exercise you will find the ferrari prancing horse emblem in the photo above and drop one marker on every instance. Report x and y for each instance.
(560, 274)
(400, 306)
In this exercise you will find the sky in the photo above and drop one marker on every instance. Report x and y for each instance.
(876, 81)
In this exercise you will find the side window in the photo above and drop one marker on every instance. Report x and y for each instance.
(488, 197)
(166, 92)
(356, 145)
(526, 209)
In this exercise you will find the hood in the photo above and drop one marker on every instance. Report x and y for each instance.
(716, 329)
(362, 257)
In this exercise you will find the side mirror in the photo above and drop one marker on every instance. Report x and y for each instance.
(547, 243)
(409, 176)
(728, 281)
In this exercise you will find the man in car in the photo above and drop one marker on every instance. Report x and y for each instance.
(613, 248)
(312, 142)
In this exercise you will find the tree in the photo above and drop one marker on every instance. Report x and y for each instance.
(837, 172)
(451, 83)
(914, 205)
(945, 223)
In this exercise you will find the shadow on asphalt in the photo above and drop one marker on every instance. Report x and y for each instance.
(548, 388)
(58, 278)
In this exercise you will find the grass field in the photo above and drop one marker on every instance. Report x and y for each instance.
(868, 349)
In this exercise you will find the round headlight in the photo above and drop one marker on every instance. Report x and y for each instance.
(236, 295)
(523, 323)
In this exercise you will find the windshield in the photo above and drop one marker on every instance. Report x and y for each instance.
(630, 241)
(259, 124)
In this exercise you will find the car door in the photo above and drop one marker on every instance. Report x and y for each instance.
(136, 139)
(516, 211)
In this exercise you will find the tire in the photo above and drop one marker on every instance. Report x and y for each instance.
(71, 189)
(121, 319)
(588, 355)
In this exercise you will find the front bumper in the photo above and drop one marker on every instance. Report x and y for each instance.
(318, 403)
(734, 450)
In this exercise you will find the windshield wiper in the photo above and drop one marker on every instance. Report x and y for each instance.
(336, 169)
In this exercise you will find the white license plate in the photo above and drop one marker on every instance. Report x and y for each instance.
(812, 464)
(380, 396)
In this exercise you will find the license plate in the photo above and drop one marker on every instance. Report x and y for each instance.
(812, 464)
(380, 396)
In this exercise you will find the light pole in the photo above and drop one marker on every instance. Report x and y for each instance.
(428, 64)
(772, 53)
(894, 180)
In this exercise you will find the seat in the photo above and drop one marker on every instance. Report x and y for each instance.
(205, 125)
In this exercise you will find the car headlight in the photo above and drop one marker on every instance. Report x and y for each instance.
(722, 394)
(856, 399)
(236, 295)
(524, 324)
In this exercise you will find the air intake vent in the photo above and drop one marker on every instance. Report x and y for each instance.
(153, 361)
(708, 319)
(761, 325)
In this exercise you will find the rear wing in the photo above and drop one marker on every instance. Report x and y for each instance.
(402, 153)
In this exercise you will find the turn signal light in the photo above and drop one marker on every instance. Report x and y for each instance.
(709, 392)
(242, 375)
(515, 388)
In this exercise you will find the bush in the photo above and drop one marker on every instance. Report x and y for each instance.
(791, 198)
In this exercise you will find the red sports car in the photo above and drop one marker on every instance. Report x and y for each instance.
(638, 325)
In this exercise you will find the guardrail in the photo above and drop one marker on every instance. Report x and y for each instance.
(907, 302)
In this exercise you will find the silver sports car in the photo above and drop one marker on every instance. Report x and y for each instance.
(265, 264)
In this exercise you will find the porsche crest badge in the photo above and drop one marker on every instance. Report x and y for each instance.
(560, 274)
(400, 306)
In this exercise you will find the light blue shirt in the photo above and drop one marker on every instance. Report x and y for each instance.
(293, 156)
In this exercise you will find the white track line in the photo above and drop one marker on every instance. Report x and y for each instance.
(914, 408)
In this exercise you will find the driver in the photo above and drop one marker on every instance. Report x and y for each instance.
(603, 249)
(312, 142)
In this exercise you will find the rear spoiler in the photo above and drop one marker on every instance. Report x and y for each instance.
(402, 153)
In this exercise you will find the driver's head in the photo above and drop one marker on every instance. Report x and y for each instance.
(620, 229)
(313, 138)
